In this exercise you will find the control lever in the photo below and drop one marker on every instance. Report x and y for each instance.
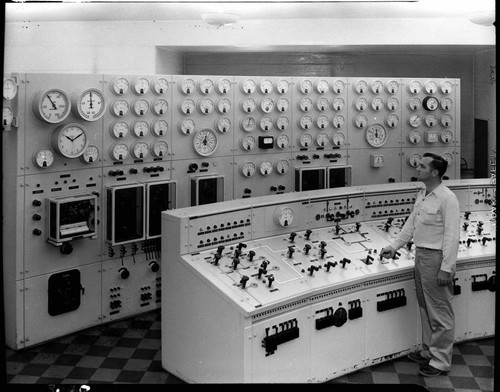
(307, 248)
(345, 261)
(368, 260)
(243, 281)
(313, 268)
(270, 280)
(251, 255)
(307, 234)
(330, 264)
(291, 251)
(292, 237)
(322, 253)
(217, 257)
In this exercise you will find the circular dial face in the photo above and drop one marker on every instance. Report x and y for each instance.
(413, 159)
(448, 157)
(206, 106)
(248, 143)
(9, 89)
(187, 106)
(120, 108)
(43, 158)
(266, 105)
(266, 123)
(414, 103)
(360, 86)
(322, 86)
(431, 120)
(206, 86)
(223, 105)
(446, 103)
(248, 124)
(119, 151)
(321, 139)
(248, 169)
(305, 86)
(223, 124)
(377, 103)
(392, 103)
(70, 140)
(224, 86)
(430, 87)
(360, 104)
(377, 86)
(140, 150)
(90, 105)
(90, 155)
(160, 106)
(322, 122)
(305, 140)
(414, 87)
(305, 104)
(282, 86)
(283, 216)
(430, 103)
(338, 104)
(392, 86)
(338, 86)
(446, 136)
(160, 86)
(282, 104)
(187, 126)
(248, 105)
(446, 120)
(266, 168)
(187, 86)
(159, 148)
(392, 120)
(52, 106)
(414, 137)
(266, 86)
(159, 127)
(120, 86)
(248, 86)
(338, 121)
(322, 104)
(446, 87)
(141, 86)
(282, 123)
(281, 166)
(415, 120)
(205, 142)
(140, 107)
(119, 129)
(7, 116)
(282, 141)
(338, 139)
(140, 128)
(376, 135)
(360, 121)
(306, 122)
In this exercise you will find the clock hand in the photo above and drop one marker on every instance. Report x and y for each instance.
(77, 136)
(90, 99)
(54, 107)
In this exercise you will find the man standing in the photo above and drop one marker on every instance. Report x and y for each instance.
(434, 225)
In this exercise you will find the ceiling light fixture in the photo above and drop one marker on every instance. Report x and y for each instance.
(219, 19)
(483, 18)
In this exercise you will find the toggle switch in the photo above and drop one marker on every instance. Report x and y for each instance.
(313, 268)
(307, 234)
(330, 264)
(251, 255)
(243, 281)
(217, 257)
(270, 280)
(292, 237)
(307, 248)
(322, 253)
(345, 261)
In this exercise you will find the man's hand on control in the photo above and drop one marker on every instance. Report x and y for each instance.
(388, 252)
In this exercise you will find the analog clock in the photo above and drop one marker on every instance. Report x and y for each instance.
(70, 140)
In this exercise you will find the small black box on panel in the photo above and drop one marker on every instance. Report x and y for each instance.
(64, 292)
(266, 141)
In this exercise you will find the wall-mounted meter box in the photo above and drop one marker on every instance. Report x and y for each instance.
(71, 218)
(431, 136)
(376, 160)
(161, 197)
(310, 178)
(207, 189)
(125, 214)
(338, 177)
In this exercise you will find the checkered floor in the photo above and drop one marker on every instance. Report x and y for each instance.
(129, 352)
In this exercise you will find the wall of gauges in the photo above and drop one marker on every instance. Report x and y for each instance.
(90, 161)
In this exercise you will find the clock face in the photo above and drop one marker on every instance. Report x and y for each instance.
(376, 135)
(205, 142)
(70, 140)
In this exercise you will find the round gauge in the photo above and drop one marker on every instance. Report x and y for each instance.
(187, 86)
(338, 121)
(282, 104)
(9, 89)
(360, 86)
(159, 127)
(446, 120)
(223, 105)
(305, 86)
(248, 169)
(360, 104)
(430, 120)
(413, 159)
(377, 86)
(119, 129)
(392, 103)
(338, 104)
(305, 140)
(205, 142)
(90, 155)
(43, 158)
(70, 140)
(206, 86)
(414, 103)
(306, 122)
(52, 106)
(446, 136)
(281, 166)
(305, 104)
(160, 106)
(322, 104)
(248, 143)
(446, 87)
(206, 106)
(338, 86)
(90, 105)
(140, 107)
(360, 121)
(187, 106)
(283, 216)
(140, 150)
(248, 124)
(321, 139)
(159, 148)
(392, 86)
(140, 128)
(414, 87)
(446, 103)
(120, 86)
(224, 86)
(376, 135)
(119, 151)
(282, 141)
(7, 116)
(392, 120)
(266, 123)
(266, 86)
(282, 123)
(430, 87)
(282, 86)
(140, 86)
(120, 108)
(338, 139)
(415, 120)
(414, 137)
(266, 105)
(430, 103)
(248, 105)
(322, 86)
(160, 86)
(187, 126)
(223, 124)
(377, 103)
(448, 157)
(322, 122)
(248, 86)
(266, 168)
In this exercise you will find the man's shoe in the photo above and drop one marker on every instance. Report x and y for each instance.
(430, 371)
(418, 358)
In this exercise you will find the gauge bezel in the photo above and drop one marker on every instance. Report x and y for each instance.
(38, 107)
